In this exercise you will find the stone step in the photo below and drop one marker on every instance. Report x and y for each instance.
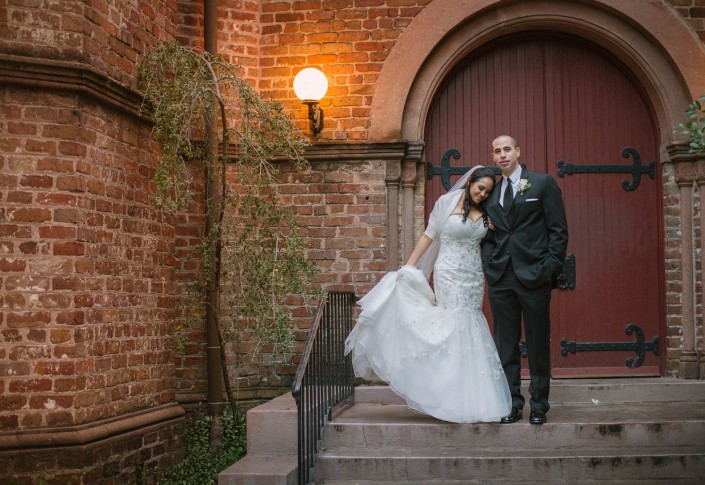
(623, 390)
(370, 426)
(261, 469)
(615, 431)
(525, 481)
(271, 446)
(424, 465)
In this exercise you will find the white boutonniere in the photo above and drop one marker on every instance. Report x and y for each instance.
(523, 186)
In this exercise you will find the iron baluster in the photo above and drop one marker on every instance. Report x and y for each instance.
(322, 371)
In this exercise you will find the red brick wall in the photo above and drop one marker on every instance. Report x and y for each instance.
(273, 40)
(106, 34)
(86, 263)
(238, 31)
(349, 40)
(131, 458)
(341, 208)
(693, 11)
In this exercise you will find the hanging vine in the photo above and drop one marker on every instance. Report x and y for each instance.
(252, 252)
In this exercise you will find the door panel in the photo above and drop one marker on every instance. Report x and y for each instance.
(593, 113)
(566, 100)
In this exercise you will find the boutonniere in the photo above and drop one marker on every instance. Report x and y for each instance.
(523, 186)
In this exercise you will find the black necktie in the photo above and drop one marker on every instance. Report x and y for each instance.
(508, 196)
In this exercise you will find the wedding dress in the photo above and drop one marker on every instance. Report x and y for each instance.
(435, 351)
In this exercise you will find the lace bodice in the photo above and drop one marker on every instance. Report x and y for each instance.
(457, 275)
(436, 351)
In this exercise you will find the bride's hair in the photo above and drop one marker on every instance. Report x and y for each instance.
(467, 203)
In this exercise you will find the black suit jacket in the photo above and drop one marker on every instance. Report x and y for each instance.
(534, 235)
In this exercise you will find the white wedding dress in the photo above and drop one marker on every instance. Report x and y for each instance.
(435, 351)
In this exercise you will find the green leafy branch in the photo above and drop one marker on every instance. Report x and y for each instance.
(694, 129)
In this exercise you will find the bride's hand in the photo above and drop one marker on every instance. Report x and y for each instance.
(489, 224)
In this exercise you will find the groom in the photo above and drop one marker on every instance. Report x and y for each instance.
(526, 248)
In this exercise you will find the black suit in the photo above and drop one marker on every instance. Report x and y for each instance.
(527, 247)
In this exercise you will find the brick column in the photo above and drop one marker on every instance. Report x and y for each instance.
(701, 190)
(687, 167)
(409, 176)
(391, 180)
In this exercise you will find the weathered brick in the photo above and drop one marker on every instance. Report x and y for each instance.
(34, 215)
(71, 318)
(60, 199)
(8, 265)
(12, 402)
(57, 232)
(71, 183)
(71, 248)
(30, 385)
(61, 165)
(50, 401)
(36, 181)
(60, 335)
(28, 319)
(8, 422)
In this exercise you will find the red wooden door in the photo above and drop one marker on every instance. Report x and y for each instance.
(564, 99)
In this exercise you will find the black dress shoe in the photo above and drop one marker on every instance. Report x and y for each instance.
(514, 416)
(537, 416)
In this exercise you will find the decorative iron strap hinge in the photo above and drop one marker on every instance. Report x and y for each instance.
(446, 171)
(640, 346)
(635, 169)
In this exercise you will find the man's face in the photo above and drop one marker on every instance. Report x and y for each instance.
(505, 154)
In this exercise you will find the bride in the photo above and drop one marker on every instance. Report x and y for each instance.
(435, 350)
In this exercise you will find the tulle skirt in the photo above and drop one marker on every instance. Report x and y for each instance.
(442, 361)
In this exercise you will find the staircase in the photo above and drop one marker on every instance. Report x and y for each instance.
(616, 431)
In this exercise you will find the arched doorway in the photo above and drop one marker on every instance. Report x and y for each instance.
(567, 100)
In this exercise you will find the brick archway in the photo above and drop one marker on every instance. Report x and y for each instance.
(649, 38)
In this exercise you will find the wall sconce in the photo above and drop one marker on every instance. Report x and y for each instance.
(310, 85)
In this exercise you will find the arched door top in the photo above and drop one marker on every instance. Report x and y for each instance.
(649, 38)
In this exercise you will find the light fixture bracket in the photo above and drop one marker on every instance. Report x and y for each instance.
(315, 116)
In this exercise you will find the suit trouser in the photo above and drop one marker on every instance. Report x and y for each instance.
(510, 300)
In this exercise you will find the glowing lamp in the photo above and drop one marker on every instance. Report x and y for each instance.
(310, 85)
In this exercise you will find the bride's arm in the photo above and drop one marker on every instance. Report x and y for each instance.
(421, 247)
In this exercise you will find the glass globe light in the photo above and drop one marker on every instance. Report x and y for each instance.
(310, 84)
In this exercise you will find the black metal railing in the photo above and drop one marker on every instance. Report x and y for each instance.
(324, 377)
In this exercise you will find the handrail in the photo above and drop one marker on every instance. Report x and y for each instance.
(324, 376)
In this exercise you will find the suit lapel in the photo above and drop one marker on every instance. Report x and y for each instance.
(495, 211)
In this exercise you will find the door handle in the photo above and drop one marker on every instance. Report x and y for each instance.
(565, 280)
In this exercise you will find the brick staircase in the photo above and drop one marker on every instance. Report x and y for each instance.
(616, 431)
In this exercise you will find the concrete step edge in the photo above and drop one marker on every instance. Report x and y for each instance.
(582, 390)
(538, 468)
(504, 454)
(274, 469)
(504, 481)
